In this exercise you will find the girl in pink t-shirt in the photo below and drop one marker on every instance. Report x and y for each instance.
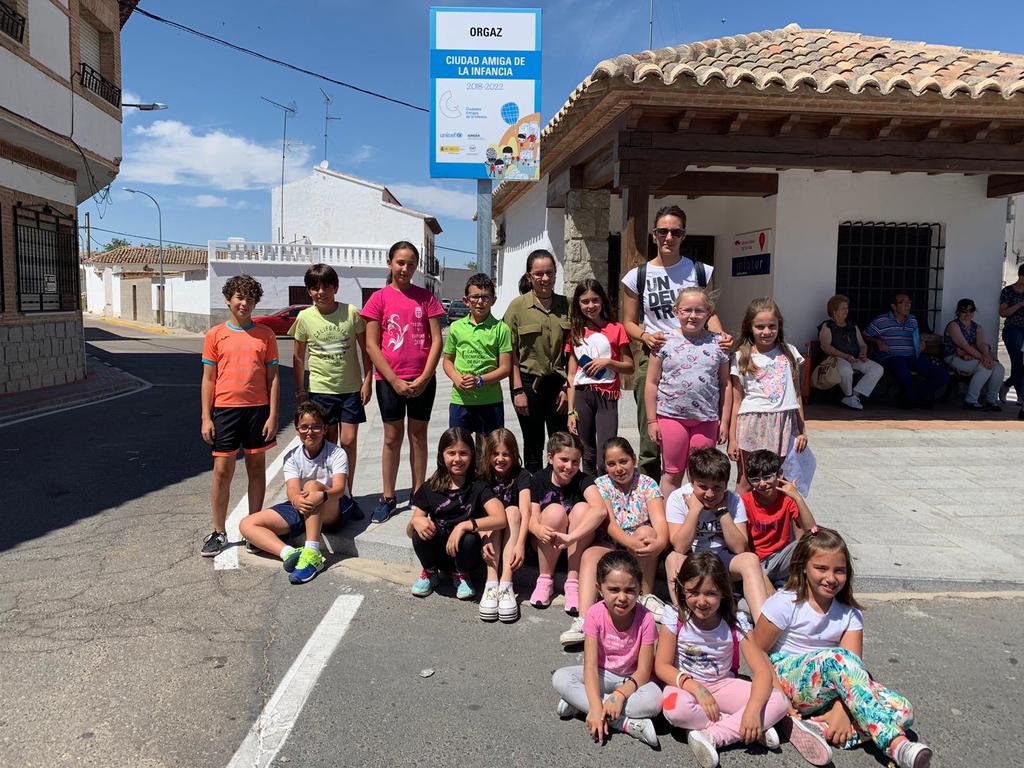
(403, 339)
(598, 352)
(614, 684)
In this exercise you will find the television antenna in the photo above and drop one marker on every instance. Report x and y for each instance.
(327, 118)
(287, 109)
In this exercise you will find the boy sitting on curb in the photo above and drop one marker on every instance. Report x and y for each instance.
(315, 474)
(777, 515)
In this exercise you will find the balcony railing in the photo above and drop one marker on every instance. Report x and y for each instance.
(99, 85)
(299, 253)
(12, 23)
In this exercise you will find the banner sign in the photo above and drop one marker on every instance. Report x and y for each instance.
(485, 93)
(751, 252)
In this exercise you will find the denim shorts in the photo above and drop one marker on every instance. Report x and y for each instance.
(341, 409)
(292, 516)
(479, 419)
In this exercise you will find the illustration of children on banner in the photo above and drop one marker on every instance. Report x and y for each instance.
(516, 156)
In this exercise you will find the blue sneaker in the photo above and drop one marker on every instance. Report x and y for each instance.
(425, 584)
(463, 588)
(311, 562)
(350, 510)
(292, 559)
(384, 511)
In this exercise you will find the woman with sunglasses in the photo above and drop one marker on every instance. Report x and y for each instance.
(967, 352)
(647, 310)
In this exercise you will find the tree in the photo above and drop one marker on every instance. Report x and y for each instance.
(471, 265)
(117, 242)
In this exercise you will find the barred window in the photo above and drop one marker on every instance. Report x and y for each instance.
(874, 260)
(46, 253)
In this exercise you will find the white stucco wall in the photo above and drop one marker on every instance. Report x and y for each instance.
(49, 41)
(185, 293)
(33, 182)
(94, 300)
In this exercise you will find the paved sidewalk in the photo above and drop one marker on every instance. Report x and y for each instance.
(921, 502)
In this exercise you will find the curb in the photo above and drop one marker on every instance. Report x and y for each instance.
(132, 324)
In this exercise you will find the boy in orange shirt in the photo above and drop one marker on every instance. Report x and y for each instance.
(777, 515)
(239, 401)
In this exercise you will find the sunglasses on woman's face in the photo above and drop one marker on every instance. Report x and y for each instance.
(665, 232)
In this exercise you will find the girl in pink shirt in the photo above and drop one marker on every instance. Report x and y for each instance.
(403, 339)
(614, 684)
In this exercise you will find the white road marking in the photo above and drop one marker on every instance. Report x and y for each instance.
(227, 560)
(269, 733)
(51, 412)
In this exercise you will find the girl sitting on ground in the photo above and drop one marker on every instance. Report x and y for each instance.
(814, 633)
(449, 512)
(614, 684)
(636, 522)
(699, 649)
(565, 510)
(502, 471)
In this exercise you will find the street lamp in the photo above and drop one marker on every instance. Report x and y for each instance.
(147, 107)
(160, 229)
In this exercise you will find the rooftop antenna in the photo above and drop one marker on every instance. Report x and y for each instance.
(327, 118)
(288, 109)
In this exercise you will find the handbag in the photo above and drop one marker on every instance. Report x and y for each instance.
(826, 375)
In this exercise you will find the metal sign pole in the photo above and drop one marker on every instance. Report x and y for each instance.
(483, 227)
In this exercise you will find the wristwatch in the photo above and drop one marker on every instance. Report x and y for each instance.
(479, 381)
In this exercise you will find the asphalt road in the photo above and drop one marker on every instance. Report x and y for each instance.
(121, 647)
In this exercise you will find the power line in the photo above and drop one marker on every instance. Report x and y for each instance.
(143, 237)
(455, 250)
(271, 59)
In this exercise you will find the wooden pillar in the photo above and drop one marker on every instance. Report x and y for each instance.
(635, 238)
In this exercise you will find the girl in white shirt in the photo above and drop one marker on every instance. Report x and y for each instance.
(699, 648)
(767, 412)
(814, 633)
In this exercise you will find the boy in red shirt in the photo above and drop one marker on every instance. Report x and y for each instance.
(777, 515)
(239, 402)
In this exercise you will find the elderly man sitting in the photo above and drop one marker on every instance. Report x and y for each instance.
(898, 340)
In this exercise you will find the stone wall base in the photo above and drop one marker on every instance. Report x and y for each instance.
(41, 353)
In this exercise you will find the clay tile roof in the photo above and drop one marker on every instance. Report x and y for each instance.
(149, 255)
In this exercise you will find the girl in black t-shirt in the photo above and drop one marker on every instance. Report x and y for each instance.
(502, 472)
(449, 512)
(565, 510)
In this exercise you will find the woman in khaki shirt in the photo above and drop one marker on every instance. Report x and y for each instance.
(539, 321)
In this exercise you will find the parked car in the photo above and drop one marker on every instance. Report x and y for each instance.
(456, 310)
(445, 303)
(281, 322)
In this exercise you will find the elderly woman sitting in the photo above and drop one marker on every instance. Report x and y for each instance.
(843, 341)
(967, 352)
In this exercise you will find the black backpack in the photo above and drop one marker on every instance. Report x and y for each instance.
(641, 282)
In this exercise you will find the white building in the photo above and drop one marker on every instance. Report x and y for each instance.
(867, 165)
(60, 68)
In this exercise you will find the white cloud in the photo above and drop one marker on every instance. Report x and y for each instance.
(435, 200)
(361, 155)
(213, 201)
(129, 97)
(171, 152)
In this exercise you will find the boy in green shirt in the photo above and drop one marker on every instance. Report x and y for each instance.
(477, 356)
(331, 330)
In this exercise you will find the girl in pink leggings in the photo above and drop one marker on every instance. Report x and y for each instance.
(698, 654)
(687, 391)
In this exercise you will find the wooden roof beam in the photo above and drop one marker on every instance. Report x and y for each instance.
(936, 128)
(884, 129)
(785, 128)
(981, 131)
(1001, 185)
(736, 125)
(721, 184)
(682, 123)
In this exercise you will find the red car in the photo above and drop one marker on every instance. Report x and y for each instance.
(281, 322)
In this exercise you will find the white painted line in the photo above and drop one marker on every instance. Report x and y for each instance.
(145, 385)
(269, 733)
(227, 560)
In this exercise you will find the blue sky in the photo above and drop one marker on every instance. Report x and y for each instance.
(212, 157)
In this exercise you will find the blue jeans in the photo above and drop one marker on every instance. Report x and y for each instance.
(921, 391)
(1013, 338)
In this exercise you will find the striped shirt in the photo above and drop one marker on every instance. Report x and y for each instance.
(903, 339)
(241, 356)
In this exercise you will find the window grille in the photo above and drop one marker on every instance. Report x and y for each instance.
(46, 254)
(876, 259)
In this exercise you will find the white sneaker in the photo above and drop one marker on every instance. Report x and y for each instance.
(770, 738)
(641, 729)
(489, 604)
(566, 710)
(574, 634)
(703, 748)
(654, 604)
(853, 402)
(913, 754)
(508, 606)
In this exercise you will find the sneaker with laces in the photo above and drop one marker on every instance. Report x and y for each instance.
(310, 563)
(291, 559)
(542, 592)
(703, 748)
(508, 606)
(350, 510)
(425, 584)
(384, 511)
(574, 634)
(654, 604)
(251, 548)
(913, 754)
(853, 402)
(566, 710)
(572, 596)
(770, 738)
(463, 586)
(489, 604)
(807, 738)
(214, 544)
(641, 729)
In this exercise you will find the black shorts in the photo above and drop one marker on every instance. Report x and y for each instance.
(394, 407)
(242, 427)
(341, 409)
